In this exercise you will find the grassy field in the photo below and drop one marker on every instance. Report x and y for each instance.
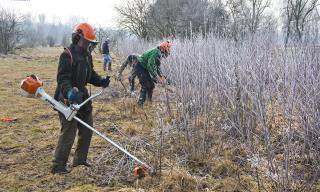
(27, 145)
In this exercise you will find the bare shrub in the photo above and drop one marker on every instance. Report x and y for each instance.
(261, 98)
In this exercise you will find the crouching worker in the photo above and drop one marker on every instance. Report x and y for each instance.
(131, 61)
(75, 70)
(148, 70)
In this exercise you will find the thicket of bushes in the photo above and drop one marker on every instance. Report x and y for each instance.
(261, 97)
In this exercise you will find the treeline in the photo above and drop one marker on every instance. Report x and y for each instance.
(37, 31)
(26, 30)
(297, 21)
(235, 19)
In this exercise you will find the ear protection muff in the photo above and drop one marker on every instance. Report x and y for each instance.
(76, 36)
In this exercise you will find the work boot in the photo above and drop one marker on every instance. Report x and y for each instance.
(142, 97)
(131, 89)
(140, 105)
(109, 67)
(149, 95)
(59, 169)
(81, 163)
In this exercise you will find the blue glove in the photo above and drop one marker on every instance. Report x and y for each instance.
(74, 96)
(105, 82)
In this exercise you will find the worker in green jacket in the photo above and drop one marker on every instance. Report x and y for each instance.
(148, 70)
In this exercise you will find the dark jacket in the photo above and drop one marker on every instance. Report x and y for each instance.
(105, 48)
(76, 70)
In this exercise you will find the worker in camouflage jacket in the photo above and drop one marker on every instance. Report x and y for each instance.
(131, 61)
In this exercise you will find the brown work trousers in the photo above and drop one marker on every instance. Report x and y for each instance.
(67, 137)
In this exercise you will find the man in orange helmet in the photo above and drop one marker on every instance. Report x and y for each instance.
(75, 70)
(148, 70)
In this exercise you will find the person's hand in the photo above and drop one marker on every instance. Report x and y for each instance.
(105, 81)
(161, 80)
(74, 96)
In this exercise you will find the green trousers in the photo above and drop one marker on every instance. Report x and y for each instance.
(67, 137)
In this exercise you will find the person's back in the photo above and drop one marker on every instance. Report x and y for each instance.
(107, 60)
(105, 48)
(150, 60)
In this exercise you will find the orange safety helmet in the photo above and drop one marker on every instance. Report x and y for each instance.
(87, 32)
(165, 46)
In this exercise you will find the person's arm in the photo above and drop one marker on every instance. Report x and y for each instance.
(123, 66)
(159, 71)
(64, 75)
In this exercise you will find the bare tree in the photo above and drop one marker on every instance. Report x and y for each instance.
(297, 14)
(187, 18)
(218, 19)
(102, 35)
(247, 16)
(133, 17)
(9, 30)
(174, 18)
(256, 11)
(237, 24)
(163, 18)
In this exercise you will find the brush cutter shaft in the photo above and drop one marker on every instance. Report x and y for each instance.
(111, 142)
(70, 113)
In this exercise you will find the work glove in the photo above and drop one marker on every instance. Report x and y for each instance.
(74, 96)
(161, 80)
(105, 81)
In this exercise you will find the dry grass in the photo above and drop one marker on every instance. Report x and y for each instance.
(27, 145)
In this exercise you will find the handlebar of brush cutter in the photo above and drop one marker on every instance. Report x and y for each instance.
(78, 106)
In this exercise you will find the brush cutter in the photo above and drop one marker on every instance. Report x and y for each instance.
(32, 87)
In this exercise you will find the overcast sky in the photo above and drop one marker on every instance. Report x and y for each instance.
(97, 12)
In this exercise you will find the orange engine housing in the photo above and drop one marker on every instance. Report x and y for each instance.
(31, 84)
(139, 171)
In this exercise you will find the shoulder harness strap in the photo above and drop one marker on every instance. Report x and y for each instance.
(69, 52)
